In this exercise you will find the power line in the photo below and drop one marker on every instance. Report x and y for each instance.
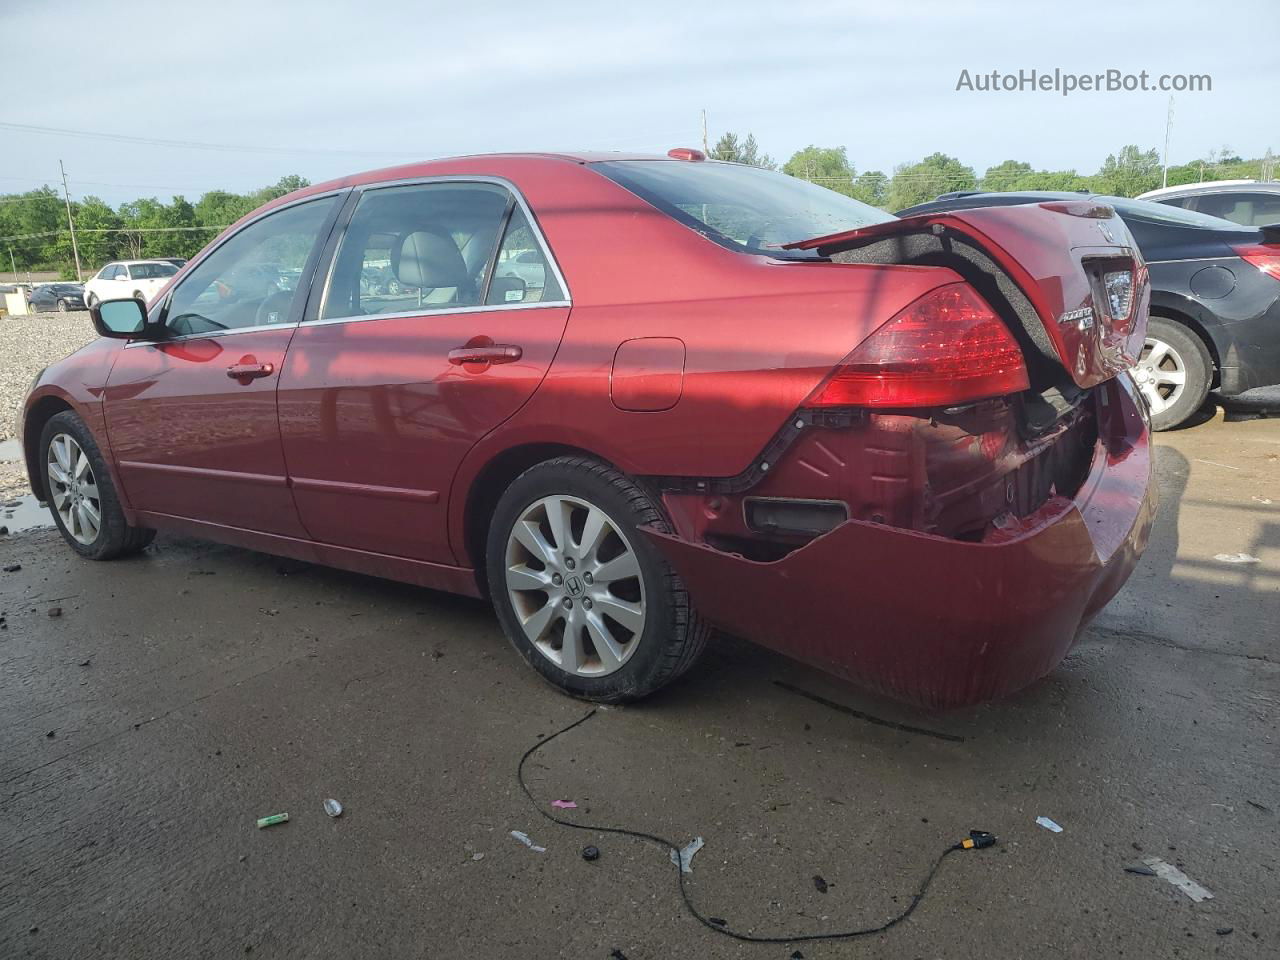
(195, 144)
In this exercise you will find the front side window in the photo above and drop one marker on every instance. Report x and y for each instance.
(252, 278)
(743, 208)
(417, 248)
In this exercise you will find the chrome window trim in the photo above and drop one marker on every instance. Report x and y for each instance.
(502, 182)
(256, 328)
(480, 308)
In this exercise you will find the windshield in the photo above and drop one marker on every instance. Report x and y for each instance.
(743, 208)
(152, 271)
(1163, 213)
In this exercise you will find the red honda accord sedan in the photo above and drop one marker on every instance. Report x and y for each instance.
(633, 398)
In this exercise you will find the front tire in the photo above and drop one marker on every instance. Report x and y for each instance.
(1173, 373)
(62, 306)
(581, 592)
(92, 301)
(81, 496)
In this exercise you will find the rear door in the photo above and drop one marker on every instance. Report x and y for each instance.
(192, 417)
(435, 325)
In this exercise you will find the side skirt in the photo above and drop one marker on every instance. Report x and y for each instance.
(436, 576)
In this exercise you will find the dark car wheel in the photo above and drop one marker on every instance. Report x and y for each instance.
(82, 498)
(1173, 373)
(62, 306)
(585, 596)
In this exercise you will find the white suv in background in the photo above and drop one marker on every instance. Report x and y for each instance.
(139, 279)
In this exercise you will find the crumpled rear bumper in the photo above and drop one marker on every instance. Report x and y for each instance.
(939, 622)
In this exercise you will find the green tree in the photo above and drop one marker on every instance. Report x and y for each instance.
(219, 208)
(937, 173)
(747, 151)
(826, 166)
(872, 187)
(1006, 176)
(96, 248)
(1130, 172)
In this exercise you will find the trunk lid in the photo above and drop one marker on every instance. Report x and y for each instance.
(1060, 255)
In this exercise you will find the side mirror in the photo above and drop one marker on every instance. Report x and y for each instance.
(121, 319)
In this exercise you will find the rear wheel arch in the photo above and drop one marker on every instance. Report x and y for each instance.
(487, 489)
(41, 412)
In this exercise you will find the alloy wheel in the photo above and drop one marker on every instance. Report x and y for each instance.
(62, 306)
(73, 489)
(575, 584)
(1161, 375)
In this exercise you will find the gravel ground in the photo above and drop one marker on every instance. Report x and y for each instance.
(28, 344)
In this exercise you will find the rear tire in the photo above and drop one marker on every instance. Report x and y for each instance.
(1173, 373)
(82, 498)
(62, 306)
(569, 602)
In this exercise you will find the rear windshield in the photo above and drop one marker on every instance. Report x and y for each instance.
(743, 208)
(152, 271)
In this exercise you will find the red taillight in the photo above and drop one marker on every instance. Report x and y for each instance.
(1264, 256)
(948, 347)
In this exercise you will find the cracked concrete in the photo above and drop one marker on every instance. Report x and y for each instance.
(180, 712)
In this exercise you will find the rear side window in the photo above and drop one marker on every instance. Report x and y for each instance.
(1248, 209)
(425, 247)
(521, 273)
(743, 208)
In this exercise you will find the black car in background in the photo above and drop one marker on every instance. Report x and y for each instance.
(57, 296)
(1215, 298)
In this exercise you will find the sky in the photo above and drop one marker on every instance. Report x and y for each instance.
(323, 89)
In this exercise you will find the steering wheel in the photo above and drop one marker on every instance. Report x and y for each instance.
(274, 307)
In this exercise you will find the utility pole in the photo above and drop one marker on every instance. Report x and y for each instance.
(13, 265)
(1168, 127)
(705, 149)
(71, 224)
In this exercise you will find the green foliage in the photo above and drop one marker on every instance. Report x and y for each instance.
(827, 166)
(34, 226)
(747, 151)
(1130, 172)
(937, 173)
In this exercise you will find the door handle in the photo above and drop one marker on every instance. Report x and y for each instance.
(244, 371)
(490, 353)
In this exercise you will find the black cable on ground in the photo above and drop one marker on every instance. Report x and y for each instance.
(975, 840)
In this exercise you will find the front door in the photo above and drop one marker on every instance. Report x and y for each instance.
(441, 317)
(192, 416)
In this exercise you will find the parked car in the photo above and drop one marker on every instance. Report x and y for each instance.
(1247, 202)
(139, 279)
(907, 451)
(1215, 299)
(57, 296)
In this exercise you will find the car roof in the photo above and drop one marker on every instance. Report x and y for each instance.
(131, 262)
(1213, 186)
